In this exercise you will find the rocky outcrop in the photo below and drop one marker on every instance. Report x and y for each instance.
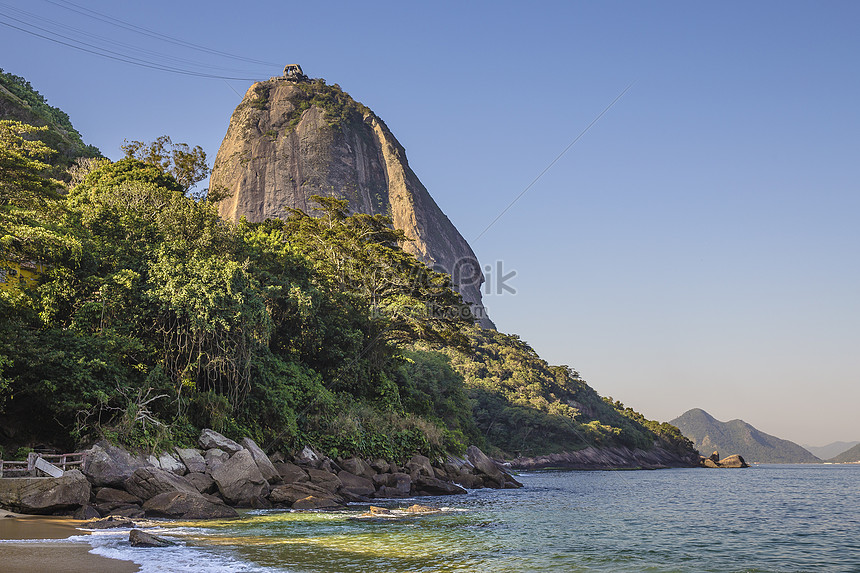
(714, 461)
(177, 504)
(108, 465)
(288, 141)
(45, 495)
(148, 482)
(193, 459)
(240, 482)
(592, 458)
(733, 461)
(307, 480)
(210, 439)
(264, 464)
(138, 538)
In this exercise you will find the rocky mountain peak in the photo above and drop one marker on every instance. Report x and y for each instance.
(292, 137)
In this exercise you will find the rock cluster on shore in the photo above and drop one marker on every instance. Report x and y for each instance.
(732, 461)
(592, 458)
(210, 481)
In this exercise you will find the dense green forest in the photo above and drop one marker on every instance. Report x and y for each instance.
(151, 317)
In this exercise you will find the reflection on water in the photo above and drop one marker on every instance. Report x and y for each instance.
(766, 518)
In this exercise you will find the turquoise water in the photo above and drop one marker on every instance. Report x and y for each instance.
(765, 519)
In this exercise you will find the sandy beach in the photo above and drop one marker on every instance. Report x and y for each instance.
(36, 557)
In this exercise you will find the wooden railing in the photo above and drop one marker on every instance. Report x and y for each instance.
(20, 468)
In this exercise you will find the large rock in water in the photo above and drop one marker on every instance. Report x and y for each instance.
(44, 495)
(281, 148)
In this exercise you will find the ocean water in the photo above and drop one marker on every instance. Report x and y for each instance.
(768, 518)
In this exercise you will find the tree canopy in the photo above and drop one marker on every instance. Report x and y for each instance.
(153, 317)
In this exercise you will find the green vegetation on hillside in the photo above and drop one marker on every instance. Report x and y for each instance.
(19, 101)
(152, 317)
(524, 406)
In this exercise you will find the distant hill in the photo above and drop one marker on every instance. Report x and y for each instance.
(830, 450)
(737, 437)
(852, 455)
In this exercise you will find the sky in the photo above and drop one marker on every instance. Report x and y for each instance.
(695, 246)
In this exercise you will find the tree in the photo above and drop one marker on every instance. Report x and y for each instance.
(24, 180)
(186, 164)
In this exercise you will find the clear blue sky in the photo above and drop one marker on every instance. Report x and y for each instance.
(698, 247)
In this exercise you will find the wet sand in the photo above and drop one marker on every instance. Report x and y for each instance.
(38, 557)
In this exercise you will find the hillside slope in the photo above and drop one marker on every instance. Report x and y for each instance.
(20, 102)
(737, 437)
(850, 456)
(830, 450)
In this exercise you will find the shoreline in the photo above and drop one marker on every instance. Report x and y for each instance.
(27, 546)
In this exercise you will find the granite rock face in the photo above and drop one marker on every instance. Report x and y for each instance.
(240, 481)
(282, 147)
(145, 483)
(108, 465)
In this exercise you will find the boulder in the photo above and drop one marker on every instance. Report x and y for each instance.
(419, 466)
(288, 494)
(486, 466)
(356, 485)
(86, 512)
(138, 538)
(239, 480)
(733, 461)
(511, 482)
(45, 495)
(709, 463)
(454, 466)
(108, 523)
(434, 486)
(308, 457)
(182, 505)
(421, 509)
(359, 467)
(119, 509)
(202, 482)
(291, 473)
(324, 479)
(264, 464)
(469, 481)
(380, 466)
(214, 458)
(109, 495)
(148, 482)
(398, 485)
(329, 466)
(715, 457)
(192, 458)
(210, 439)
(108, 465)
(314, 502)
